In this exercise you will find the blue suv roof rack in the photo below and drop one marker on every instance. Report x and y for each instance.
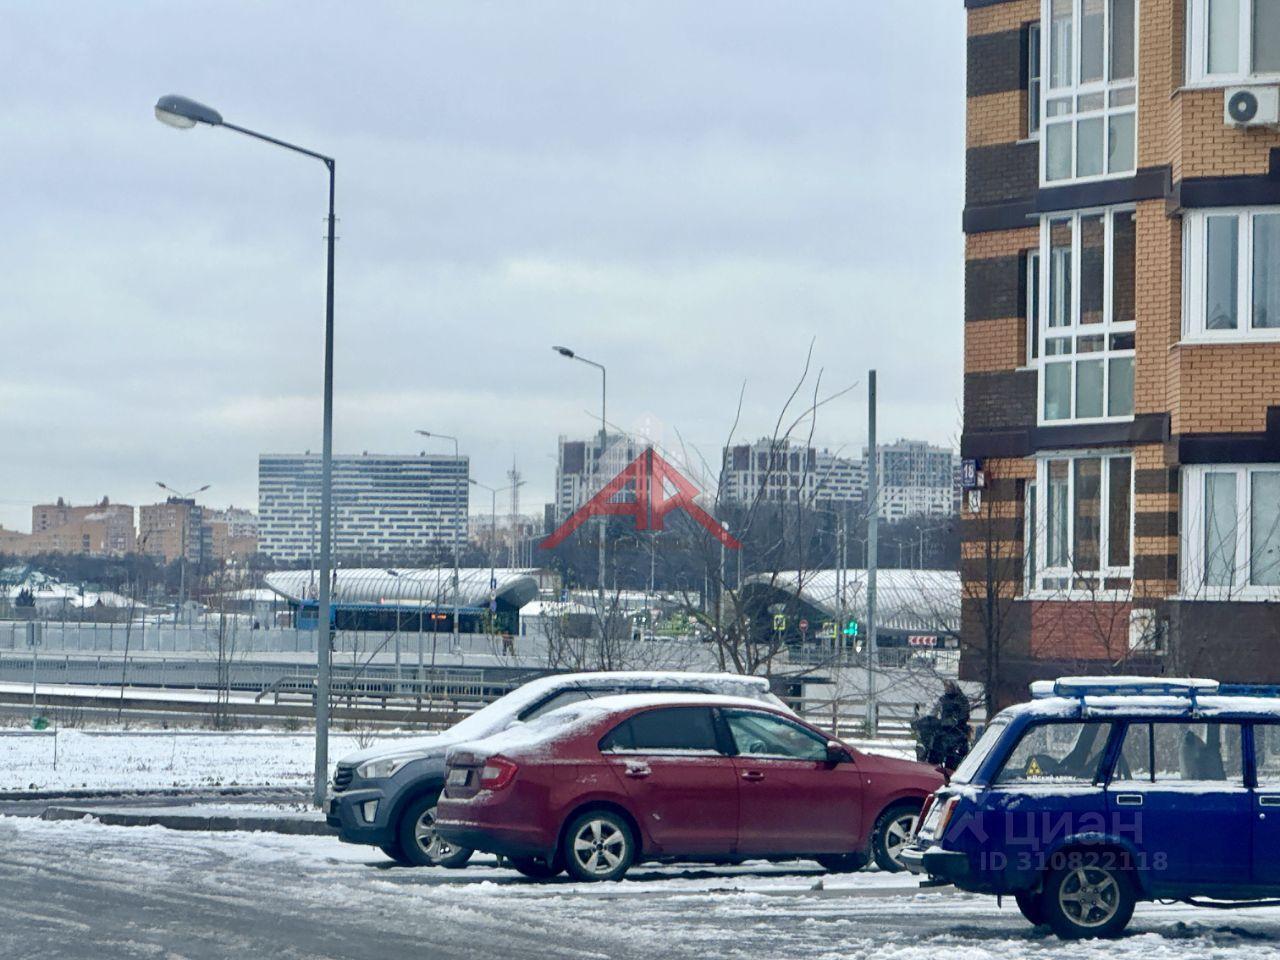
(1081, 687)
(1249, 690)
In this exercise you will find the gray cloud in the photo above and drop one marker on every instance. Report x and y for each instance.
(688, 192)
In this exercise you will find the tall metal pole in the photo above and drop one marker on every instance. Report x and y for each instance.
(324, 636)
(182, 112)
(873, 522)
(604, 437)
(603, 520)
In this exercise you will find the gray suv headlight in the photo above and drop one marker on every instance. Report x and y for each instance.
(384, 767)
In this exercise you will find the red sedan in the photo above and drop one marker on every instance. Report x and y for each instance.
(597, 786)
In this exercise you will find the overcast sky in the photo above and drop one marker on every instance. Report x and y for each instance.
(688, 192)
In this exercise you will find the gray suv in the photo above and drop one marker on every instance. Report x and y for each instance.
(385, 796)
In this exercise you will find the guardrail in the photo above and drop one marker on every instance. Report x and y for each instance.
(456, 684)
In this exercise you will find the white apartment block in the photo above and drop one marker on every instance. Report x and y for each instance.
(916, 480)
(778, 471)
(584, 466)
(386, 507)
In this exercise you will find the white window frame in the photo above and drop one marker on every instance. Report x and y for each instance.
(1192, 525)
(1195, 228)
(1035, 82)
(1030, 536)
(1077, 90)
(1033, 307)
(1197, 50)
(1069, 573)
(1073, 327)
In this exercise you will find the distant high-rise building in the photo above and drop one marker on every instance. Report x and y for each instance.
(104, 529)
(839, 479)
(386, 507)
(174, 529)
(233, 533)
(773, 471)
(916, 479)
(584, 466)
(779, 471)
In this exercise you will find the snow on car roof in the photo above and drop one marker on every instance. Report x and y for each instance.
(536, 735)
(505, 710)
(1148, 706)
(632, 701)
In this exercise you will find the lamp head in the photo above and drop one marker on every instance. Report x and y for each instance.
(185, 113)
(564, 352)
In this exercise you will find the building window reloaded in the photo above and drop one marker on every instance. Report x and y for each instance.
(1231, 266)
(1232, 40)
(1087, 316)
(1089, 111)
(1033, 80)
(1231, 532)
(1083, 515)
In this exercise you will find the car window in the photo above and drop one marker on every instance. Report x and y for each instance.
(666, 730)
(556, 701)
(1058, 752)
(970, 765)
(764, 735)
(1266, 749)
(1171, 752)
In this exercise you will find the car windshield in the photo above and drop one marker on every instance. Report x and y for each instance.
(968, 768)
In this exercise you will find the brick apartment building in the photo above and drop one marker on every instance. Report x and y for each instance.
(174, 529)
(104, 529)
(1122, 339)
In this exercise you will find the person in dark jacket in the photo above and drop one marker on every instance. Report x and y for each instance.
(943, 734)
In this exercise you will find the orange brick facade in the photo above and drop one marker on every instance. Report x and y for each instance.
(1193, 403)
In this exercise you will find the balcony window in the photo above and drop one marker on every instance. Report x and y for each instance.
(1232, 41)
(1087, 334)
(1089, 113)
(1231, 270)
(1082, 538)
(1231, 531)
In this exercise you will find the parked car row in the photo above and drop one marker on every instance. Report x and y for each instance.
(593, 773)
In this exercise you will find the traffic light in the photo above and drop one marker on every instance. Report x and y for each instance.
(850, 629)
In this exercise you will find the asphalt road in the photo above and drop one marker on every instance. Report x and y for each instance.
(83, 890)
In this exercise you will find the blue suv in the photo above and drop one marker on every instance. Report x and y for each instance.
(1102, 792)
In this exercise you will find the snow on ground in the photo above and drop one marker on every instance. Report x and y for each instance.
(153, 892)
(160, 759)
(150, 760)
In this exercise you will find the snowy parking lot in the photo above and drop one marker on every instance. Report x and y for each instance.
(80, 889)
(161, 759)
(158, 759)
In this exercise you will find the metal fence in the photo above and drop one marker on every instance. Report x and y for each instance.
(379, 681)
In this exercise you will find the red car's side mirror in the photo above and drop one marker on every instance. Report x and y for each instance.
(836, 752)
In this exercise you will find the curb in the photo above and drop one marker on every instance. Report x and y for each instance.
(179, 821)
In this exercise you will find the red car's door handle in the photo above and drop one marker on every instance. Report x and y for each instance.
(752, 775)
(638, 770)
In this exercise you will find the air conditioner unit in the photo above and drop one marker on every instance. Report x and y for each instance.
(1251, 106)
(1146, 631)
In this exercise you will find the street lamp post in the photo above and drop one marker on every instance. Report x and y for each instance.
(457, 642)
(604, 436)
(182, 547)
(183, 113)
